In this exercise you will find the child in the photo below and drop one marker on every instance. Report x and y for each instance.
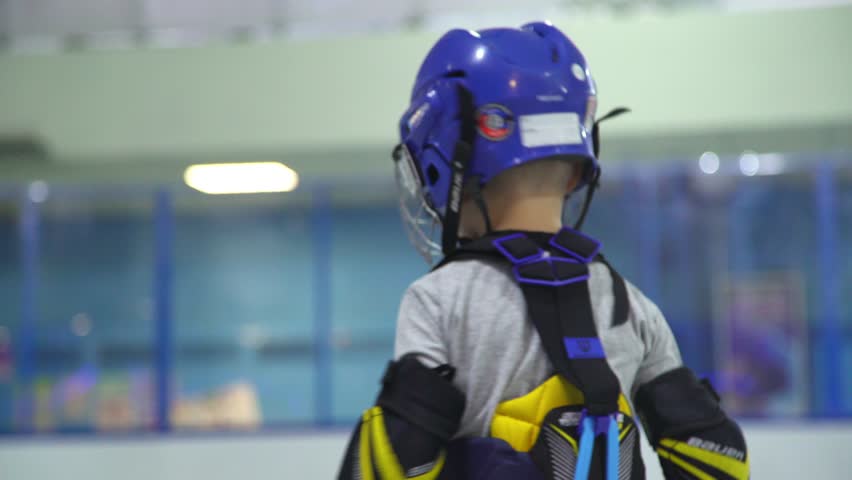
(519, 354)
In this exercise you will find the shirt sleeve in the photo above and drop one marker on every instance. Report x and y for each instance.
(418, 327)
(661, 353)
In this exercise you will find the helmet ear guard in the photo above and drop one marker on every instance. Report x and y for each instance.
(426, 162)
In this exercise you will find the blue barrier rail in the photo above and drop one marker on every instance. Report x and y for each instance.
(188, 310)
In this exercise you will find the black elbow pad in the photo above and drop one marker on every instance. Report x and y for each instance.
(405, 434)
(692, 435)
(423, 396)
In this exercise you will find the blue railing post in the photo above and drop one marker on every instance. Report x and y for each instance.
(692, 330)
(29, 223)
(649, 235)
(321, 231)
(740, 256)
(163, 276)
(830, 338)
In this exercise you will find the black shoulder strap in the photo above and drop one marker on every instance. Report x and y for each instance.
(483, 248)
(555, 287)
(621, 309)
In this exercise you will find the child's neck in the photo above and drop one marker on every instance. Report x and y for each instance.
(532, 214)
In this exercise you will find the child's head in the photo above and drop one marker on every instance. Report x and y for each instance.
(527, 197)
(512, 110)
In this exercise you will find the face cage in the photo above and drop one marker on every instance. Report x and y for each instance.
(422, 222)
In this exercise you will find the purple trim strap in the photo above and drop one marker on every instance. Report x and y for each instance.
(577, 255)
(498, 243)
(601, 422)
(555, 280)
(538, 257)
(548, 283)
(583, 347)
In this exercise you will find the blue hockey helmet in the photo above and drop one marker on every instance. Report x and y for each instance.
(483, 102)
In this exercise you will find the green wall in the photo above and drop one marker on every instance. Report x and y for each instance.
(769, 81)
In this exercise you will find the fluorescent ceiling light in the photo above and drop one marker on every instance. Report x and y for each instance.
(749, 163)
(257, 177)
(709, 163)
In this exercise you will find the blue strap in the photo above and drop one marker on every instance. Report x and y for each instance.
(587, 445)
(612, 449)
(588, 432)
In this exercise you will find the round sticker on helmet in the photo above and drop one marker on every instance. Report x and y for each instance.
(579, 72)
(495, 122)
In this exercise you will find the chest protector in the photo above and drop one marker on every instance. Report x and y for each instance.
(577, 424)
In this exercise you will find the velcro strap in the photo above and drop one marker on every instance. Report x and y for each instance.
(551, 271)
(676, 402)
(518, 249)
(422, 396)
(576, 244)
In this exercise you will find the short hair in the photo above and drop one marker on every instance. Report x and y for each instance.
(545, 176)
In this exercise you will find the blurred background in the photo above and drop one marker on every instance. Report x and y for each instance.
(145, 323)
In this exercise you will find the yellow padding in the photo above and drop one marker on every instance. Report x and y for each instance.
(683, 465)
(364, 454)
(518, 421)
(731, 466)
(376, 448)
(383, 454)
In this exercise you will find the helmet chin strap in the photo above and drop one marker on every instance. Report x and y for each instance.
(476, 190)
(590, 192)
(595, 180)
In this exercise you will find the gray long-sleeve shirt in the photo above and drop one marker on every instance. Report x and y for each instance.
(472, 315)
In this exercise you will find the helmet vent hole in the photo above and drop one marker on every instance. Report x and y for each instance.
(554, 55)
(432, 175)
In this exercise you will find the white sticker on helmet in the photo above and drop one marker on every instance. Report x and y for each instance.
(550, 129)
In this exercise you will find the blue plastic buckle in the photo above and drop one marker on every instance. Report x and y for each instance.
(583, 347)
(590, 427)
